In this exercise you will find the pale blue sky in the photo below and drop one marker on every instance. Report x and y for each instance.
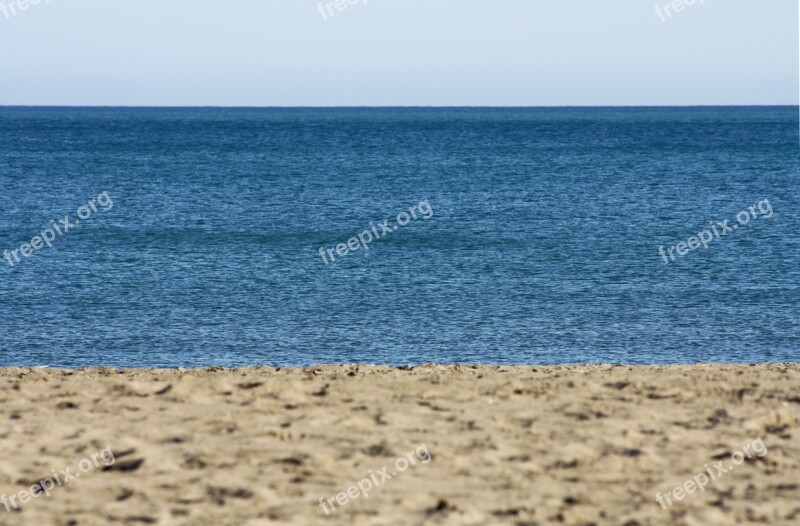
(399, 52)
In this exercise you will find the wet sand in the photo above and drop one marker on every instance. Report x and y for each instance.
(575, 445)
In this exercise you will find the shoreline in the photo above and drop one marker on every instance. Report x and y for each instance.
(377, 367)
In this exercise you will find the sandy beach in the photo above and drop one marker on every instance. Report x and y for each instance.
(576, 445)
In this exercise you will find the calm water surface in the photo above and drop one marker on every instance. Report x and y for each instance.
(542, 246)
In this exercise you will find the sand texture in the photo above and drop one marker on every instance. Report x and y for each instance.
(577, 445)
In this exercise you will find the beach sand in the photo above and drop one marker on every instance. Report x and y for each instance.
(575, 445)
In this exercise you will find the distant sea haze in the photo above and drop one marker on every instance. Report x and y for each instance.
(544, 246)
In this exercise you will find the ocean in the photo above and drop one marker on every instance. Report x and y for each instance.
(138, 237)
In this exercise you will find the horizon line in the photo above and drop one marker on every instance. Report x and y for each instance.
(556, 106)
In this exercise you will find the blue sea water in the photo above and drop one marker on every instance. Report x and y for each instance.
(542, 246)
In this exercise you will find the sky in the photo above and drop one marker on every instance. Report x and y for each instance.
(398, 53)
